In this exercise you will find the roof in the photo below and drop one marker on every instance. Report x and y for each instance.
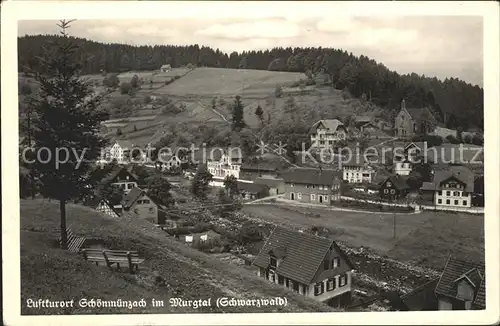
(127, 144)
(363, 118)
(94, 202)
(398, 181)
(461, 173)
(456, 269)
(271, 183)
(116, 171)
(330, 124)
(260, 166)
(422, 298)
(417, 113)
(359, 160)
(311, 176)
(252, 187)
(302, 253)
(419, 144)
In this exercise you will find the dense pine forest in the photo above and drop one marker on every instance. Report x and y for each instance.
(454, 102)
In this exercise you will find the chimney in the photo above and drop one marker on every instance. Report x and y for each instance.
(403, 105)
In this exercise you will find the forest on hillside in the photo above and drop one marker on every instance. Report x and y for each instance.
(454, 102)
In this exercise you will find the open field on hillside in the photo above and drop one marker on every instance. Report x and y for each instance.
(49, 272)
(220, 81)
(426, 238)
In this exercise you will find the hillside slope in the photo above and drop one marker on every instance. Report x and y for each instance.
(52, 273)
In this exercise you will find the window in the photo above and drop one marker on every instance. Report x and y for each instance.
(307, 186)
(447, 201)
(389, 184)
(439, 193)
(318, 288)
(320, 187)
(386, 191)
(272, 276)
(342, 280)
(456, 202)
(336, 262)
(448, 193)
(281, 279)
(273, 262)
(330, 284)
(393, 191)
(151, 209)
(296, 287)
(291, 184)
(464, 194)
(326, 264)
(312, 186)
(313, 197)
(439, 201)
(299, 195)
(456, 193)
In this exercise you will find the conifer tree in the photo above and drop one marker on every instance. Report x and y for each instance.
(66, 123)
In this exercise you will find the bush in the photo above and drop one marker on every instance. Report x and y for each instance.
(125, 88)
(111, 81)
(249, 233)
(452, 139)
(477, 139)
(177, 77)
(278, 91)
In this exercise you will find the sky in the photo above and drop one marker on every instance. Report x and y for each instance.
(441, 46)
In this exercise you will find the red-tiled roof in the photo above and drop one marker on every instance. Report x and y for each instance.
(456, 269)
(301, 253)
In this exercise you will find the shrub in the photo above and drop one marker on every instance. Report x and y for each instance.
(452, 139)
(125, 88)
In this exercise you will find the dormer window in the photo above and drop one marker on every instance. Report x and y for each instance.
(273, 262)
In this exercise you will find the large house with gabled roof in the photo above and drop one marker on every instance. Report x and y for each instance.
(121, 177)
(316, 186)
(325, 133)
(452, 187)
(310, 265)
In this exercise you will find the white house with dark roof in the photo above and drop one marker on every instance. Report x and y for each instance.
(357, 169)
(316, 186)
(325, 133)
(452, 187)
(119, 151)
(307, 264)
(223, 164)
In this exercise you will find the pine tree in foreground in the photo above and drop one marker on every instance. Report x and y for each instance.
(66, 124)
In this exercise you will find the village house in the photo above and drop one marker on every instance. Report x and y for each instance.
(306, 264)
(412, 122)
(461, 286)
(452, 187)
(119, 151)
(202, 237)
(358, 169)
(313, 185)
(276, 186)
(394, 188)
(325, 133)
(360, 121)
(103, 205)
(403, 164)
(168, 162)
(121, 177)
(139, 204)
(222, 165)
(165, 68)
(252, 171)
(252, 191)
